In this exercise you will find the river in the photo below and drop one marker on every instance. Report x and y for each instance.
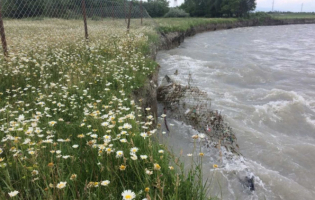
(262, 80)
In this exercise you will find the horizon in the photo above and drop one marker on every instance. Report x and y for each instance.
(279, 5)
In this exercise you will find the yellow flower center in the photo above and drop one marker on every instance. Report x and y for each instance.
(128, 196)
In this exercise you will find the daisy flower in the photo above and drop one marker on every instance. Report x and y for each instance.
(128, 195)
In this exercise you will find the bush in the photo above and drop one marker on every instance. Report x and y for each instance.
(176, 12)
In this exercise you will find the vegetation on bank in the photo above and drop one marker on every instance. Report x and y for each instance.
(167, 25)
(69, 128)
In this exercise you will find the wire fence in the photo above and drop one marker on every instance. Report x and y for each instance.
(34, 23)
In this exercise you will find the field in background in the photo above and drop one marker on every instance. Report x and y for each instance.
(28, 34)
(293, 15)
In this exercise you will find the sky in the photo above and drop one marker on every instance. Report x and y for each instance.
(279, 5)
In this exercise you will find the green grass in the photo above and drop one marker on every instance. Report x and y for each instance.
(66, 111)
(167, 25)
(294, 16)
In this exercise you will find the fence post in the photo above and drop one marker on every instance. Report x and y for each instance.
(129, 16)
(141, 10)
(84, 19)
(112, 12)
(3, 40)
(125, 10)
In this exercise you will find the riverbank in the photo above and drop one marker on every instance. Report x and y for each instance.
(170, 39)
(252, 75)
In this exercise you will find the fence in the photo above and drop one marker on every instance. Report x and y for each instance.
(49, 22)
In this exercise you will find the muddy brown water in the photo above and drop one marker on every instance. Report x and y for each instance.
(262, 79)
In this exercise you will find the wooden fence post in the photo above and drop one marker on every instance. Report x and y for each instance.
(141, 8)
(129, 16)
(84, 19)
(3, 40)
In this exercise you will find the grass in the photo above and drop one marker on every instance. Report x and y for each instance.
(293, 15)
(167, 25)
(69, 127)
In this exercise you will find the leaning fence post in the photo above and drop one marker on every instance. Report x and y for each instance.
(129, 16)
(141, 10)
(3, 40)
(84, 19)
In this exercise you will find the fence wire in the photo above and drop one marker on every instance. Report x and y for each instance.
(45, 23)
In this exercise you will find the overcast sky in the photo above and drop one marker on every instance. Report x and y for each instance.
(279, 5)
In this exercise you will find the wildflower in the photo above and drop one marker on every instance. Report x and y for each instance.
(81, 136)
(119, 154)
(2, 159)
(122, 167)
(31, 152)
(13, 194)
(1, 150)
(123, 140)
(108, 150)
(128, 195)
(215, 166)
(51, 185)
(161, 151)
(171, 167)
(134, 157)
(163, 115)
(61, 185)
(147, 189)
(75, 146)
(34, 172)
(201, 154)
(134, 150)
(144, 135)
(52, 123)
(157, 166)
(143, 157)
(105, 183)
(189, 154)
(96, 184)
(73, 177)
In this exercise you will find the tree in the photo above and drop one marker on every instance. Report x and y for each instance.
(157, 8)
(218, 8)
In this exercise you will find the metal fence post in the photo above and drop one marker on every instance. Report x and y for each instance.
(3, 40)
(84, 19)
(129, 16)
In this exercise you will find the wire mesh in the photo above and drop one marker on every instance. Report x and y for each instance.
(45, 23)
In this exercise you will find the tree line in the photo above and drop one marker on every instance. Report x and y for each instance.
(218, 8)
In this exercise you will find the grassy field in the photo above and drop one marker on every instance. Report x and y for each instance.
(69, 128)
(181, 24)
(294, 16)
